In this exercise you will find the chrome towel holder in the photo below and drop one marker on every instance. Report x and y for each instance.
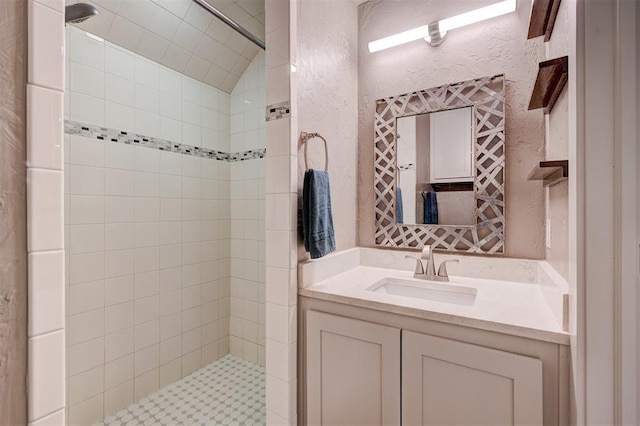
(305, 137)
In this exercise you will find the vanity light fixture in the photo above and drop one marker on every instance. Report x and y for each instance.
(435, 32)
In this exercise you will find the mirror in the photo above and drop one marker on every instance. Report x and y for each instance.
(435, 168)
(451, 150)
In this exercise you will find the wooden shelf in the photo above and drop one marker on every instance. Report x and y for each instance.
(552, 76)
(543, 17)
(452, 186)
(550, 172)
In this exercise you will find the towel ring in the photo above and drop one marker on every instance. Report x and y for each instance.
(305, 138)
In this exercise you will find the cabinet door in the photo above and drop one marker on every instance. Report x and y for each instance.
(352, 372)
(445, 382)
(451, 141)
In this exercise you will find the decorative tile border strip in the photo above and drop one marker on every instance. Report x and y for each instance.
(130, 138)
(278, 111)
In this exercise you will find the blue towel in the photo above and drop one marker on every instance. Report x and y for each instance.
(399, 207)
(430, 208)
(317, 221)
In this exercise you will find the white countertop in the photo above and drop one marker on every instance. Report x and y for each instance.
(508, 307)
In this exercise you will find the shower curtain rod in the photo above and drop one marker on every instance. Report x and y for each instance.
(233, 24)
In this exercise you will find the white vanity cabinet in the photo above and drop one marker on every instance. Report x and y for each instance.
(360, 366)
(353, 372)
(445, 382)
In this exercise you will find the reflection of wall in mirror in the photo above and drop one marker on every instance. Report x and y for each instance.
(456, 208)
(406, 162)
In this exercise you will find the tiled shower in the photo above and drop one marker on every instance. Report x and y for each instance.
(164, 224)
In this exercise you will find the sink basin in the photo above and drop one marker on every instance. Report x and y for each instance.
(426, 290)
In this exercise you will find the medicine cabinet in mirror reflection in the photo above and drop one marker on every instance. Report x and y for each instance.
(435, 168)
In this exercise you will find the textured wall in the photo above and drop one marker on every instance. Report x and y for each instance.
(327, 91)
(558, 149)
(13, 250)
(493, 47)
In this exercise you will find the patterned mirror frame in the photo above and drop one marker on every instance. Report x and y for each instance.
(487, 96)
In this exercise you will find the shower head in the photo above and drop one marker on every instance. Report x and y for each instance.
(79, 12)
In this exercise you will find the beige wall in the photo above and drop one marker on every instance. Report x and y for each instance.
(494, 47)
(13, 250)
(557, 142)
(327, 93)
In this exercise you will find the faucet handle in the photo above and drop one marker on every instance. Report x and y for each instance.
(442, 270)
(419, 266)
(427, 252)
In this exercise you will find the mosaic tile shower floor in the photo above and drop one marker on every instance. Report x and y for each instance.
(230, 391)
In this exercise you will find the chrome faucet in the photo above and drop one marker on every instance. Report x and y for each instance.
(429, 273)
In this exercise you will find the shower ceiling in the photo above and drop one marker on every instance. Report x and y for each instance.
(182, 35)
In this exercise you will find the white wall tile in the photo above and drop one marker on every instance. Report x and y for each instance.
(87, 411)
(86, 50)
(86, 109)
(87, 267)
(147, 160)
(171, 129)
(170, 186)
(118, 263)
(119, 209)
(119, 371)
(170, 256)
(46, 374)
(146, 123)
(147, 209)
(134, 242)
(46, 292)
(85, 180)
(147, 234)
(147, 72)
(86, 151)
(86, 209)
(119, 182)
(147, 98)
(146, 384)
(86, 326)
(87, 80)
(118, 62)
(118, 397)
(119, 156)
(147, 284)
(86, 297)
(170, 372)
(147, 184)
(86, 385)
(55, 419)
(45, 211)
(118, 290)
(147, 259)
(119, 90)
(86, 239)
(45, 46)
(44, 128)
(119, 317)
(170, 209)
(117, 345)
(117, 116)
